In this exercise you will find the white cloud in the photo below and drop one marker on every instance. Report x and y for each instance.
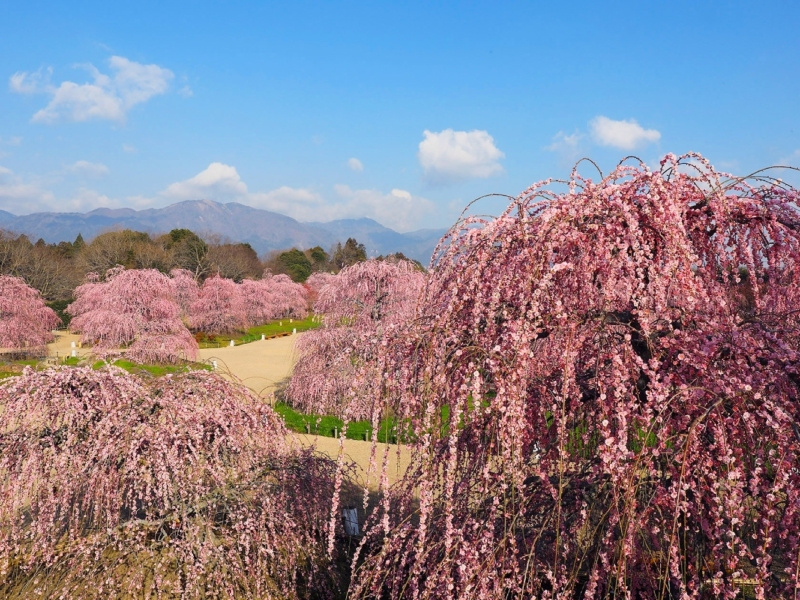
(22, 197)
(218, 182)
(106, 97)
(355, 165)
(30, 83)
(12, 141)
(129, 149)
(568, 146)
(398, 210)
(88, 169)
(449, 156)
(86, 199)
(624, 135)
(792, 160)
(299, 203)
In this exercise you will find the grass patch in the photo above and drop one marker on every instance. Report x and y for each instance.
(274, 328)
(330, 426)
(154, 370)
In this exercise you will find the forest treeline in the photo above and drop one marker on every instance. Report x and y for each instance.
(57, 269)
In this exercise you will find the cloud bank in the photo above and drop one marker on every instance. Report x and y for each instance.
(399, 209)
(106, 97)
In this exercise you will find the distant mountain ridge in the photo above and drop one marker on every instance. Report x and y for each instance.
(262, 229)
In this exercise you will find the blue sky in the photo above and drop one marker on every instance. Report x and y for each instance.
(402, 112)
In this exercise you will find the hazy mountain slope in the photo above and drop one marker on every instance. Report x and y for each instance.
(263, 230)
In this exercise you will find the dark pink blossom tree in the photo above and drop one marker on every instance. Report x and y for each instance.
(182, 486)
(315, 282)
(604, 389)
(133, 309)
(337, 370)
(219, 308)
(26, 324)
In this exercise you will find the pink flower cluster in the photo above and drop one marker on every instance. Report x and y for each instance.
(25, 322)
(224, 306)
(184, 486)
(137, 309)
(603, 383)
(337, 370)
(147, 312)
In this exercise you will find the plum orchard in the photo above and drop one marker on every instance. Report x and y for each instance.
(26, 324)
(186, 486)
(135, 308)
(223, 306)
(359, 307)
(617, 367)
(147, 311)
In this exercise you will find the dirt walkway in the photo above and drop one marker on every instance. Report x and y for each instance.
(258, 365)
(359, 452)
(61, 347)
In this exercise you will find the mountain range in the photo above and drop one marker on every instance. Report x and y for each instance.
(234, 222)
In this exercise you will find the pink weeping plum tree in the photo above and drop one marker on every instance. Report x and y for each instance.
(26, 324)
(337, 369)
(136, 309)
(604, 390)
(219, 308)
(273, 297)
(315, 282)
(182, 486)
(289, 298)
(185, 290)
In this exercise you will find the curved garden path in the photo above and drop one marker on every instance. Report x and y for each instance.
(261, 365)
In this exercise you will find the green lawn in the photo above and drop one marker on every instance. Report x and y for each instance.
(155, 370)
(326, 425)
(253, 334)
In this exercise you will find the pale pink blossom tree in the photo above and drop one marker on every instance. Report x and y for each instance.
(185, 289)
(219, 308)
(337, 371)
(134, 309)
(258, 302)
(604, 388)
(26, 323)
(273, 297)
(289, 298)
(177, 487)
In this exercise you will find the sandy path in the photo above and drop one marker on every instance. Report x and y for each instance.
(258, 365)
(359, 452)
(61, 347)
(262, 365)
